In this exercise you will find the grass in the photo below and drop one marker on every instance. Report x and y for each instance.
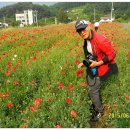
(41, 88)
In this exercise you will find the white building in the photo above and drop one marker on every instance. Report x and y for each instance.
(28, 17)
(3, 25)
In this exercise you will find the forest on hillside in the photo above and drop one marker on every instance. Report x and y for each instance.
(59, 10)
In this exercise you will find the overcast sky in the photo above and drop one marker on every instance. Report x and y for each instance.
(2, 4)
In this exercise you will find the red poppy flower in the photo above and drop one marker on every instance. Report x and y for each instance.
(25, 120)
(48, 87)
(37, 102)
(58, 126)
(34, 58)
(114, 105)
(60, 85)
(24, 126)
(127, 97)
(33, 109)
(49, 99)
(70, 87)
(6, 55)
(14, 68)
(15, 83)
(83, 84)
(6, 94)
(9, 105)
(29, 62)
(1, 95)
(7, 73)
(63, 73)
(77, 62)
(37, 52)
(73, 113)
(9, 65)
(128, 54)
(68, 101)
(79, 72)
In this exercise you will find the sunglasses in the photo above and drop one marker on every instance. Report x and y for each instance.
(83, 29)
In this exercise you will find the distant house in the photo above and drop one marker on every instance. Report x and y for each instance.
(3, 25)
(106, 19)
(28, 17)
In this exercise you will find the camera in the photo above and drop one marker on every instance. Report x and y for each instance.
(87, 63)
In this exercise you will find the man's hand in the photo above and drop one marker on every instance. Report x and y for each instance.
(95, 63)
(81, 65)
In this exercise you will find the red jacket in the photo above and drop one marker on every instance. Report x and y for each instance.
(103, 50)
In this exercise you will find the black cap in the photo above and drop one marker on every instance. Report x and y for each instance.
(80, 25)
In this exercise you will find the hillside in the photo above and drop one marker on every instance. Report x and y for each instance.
(73, 10)
(9, 11)
(86, 9)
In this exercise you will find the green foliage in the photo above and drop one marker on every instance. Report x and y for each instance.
(16, 23)
(76, 10)
(34, 81)
(121, 20)
(67, 5)
(7, 20)
(45, 21)
(62, 16)
(38, 59)
(121, 9)
(9, 11)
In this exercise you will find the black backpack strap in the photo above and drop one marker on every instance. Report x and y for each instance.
(85, 45)
(86, 53)
(85, 48)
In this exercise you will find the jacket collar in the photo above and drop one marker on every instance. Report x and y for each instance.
(85, 40)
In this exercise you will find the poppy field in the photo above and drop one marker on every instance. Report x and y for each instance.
(42, 87)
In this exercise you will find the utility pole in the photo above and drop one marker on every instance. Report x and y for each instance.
(4, 22)
(94, 14)
(4, 19)
(111, 11)
(66, 22)
(36, 18)
(55, 20)
(45, 20)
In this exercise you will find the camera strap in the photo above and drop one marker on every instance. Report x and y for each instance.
(86, 53)
(85, 48)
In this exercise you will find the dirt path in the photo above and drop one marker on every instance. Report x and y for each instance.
(126, 24)
(103, 122)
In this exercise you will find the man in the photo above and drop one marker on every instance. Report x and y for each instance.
(99, 47)
(96, 26)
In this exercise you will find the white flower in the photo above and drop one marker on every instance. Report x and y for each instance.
(15, 55)
(61, 67)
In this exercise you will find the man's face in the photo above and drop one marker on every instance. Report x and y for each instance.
(85, 34)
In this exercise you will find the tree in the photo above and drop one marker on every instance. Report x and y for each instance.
(91, 17)
(62, 16)
(16, 23)
(127, 14)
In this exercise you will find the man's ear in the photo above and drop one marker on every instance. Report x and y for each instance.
(89, 27)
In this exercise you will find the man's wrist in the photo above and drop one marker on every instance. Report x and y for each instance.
(100, 63)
